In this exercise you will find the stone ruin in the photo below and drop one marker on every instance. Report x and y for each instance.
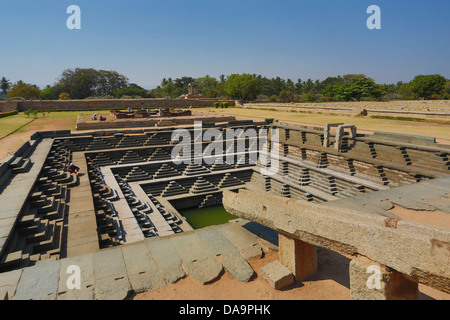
(332, 190)
(148, 113)
(336, 192)
(143, 118)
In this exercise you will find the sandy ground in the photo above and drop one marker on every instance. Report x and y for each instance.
(11, 143)
(433, 218)
(330, 283)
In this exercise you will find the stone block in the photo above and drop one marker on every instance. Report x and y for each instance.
(277, 275)
(298, 256)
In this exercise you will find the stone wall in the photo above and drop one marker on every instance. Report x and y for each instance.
(49, 105)
(8, 106)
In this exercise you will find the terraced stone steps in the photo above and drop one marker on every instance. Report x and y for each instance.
(210, 201)
(202, 186)
(20, 165)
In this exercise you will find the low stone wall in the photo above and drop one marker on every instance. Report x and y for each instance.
(49, 105)
(156, 122)
(8, 106)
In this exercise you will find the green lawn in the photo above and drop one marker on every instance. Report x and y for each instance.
(12, 124)
(70, 114)
(19, 121)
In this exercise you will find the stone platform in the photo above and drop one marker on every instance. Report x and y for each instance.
(117, 273)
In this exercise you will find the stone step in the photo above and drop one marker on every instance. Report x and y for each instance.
(52, 240)
(22, 167)
(43, 230)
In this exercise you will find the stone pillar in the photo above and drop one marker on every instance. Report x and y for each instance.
(372, 281)
(338, 139)
(326, 136)
(298, 256)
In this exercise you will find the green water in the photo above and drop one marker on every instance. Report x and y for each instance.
(200, 218)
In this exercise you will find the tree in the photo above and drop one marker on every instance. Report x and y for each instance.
(348, 78)
(308, 86)
(208, 86)
(446, 93)
(50, 93)
(133, 90)
(424, 86)
(64, 96)
(365, 87)
(4, 84)
(24, 90)
(286, 96)
(84, 83)
(242, 87)
(405, 91)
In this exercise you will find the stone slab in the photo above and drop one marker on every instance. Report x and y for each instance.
(245, 241)
(39, 282)
(198, 260)
(142, 270)
(87, 279)
(226, 253)
(109, 264)
(112, 289)
(166, 258)
(9, 282)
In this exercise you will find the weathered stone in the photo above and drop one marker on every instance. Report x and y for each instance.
(142, 271)
(230, 257)
(298, 256)
(87, 279)
(199, 261)
(39, 282)
(423, 247)
(166, 258)
(9, 281)
(111, 279)
(112, 289)
(372, 281)
(277, 275)
(245, 241)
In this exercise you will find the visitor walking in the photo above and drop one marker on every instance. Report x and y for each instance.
(73, 169)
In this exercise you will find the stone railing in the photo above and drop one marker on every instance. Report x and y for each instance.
(404, 253)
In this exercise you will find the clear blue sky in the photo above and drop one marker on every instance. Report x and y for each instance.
(148, 40)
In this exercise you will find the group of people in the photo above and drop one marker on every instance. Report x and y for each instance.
(96, 116)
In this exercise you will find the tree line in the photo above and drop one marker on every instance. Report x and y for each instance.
(90, 83)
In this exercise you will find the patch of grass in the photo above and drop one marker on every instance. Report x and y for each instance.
(12, 125)
(7, 114)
